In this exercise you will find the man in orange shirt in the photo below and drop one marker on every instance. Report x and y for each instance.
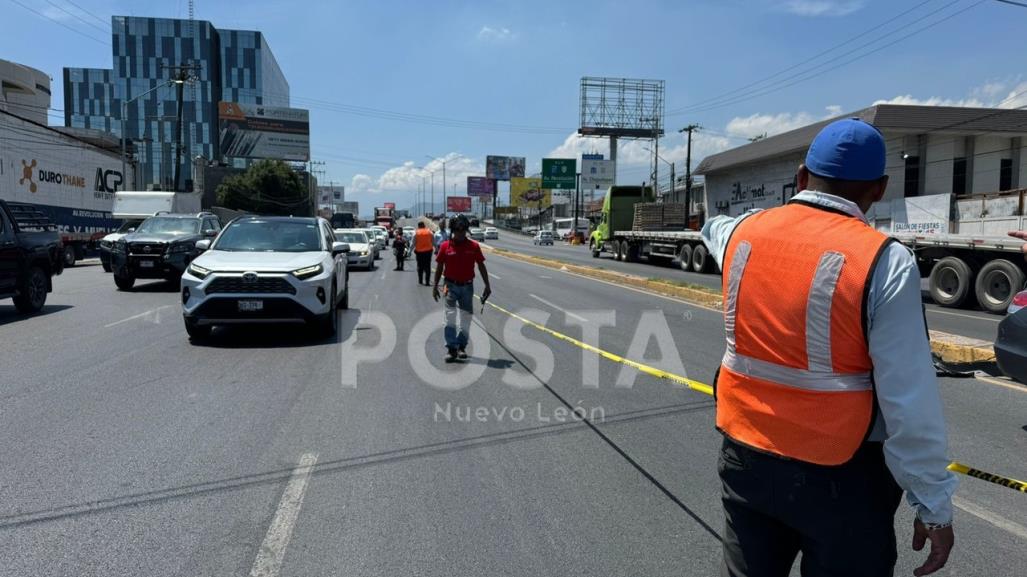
(423, 248)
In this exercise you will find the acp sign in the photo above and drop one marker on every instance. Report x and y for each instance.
(108, 180)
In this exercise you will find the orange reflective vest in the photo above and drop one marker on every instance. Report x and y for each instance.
(796, 378)
(423, 240)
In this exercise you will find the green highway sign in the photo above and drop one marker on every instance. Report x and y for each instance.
(558, 173)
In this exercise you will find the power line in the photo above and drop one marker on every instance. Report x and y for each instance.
(56, 21)
(77, 17)
(798, 64)
(97, 18)
(1011, 2)
(804, 76)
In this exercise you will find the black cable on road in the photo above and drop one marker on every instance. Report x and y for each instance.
(631, 461)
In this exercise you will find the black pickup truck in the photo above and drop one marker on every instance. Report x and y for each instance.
(30, 255)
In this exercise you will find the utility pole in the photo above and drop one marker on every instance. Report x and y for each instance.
(688, 172)
(673, 184)
(182, 75)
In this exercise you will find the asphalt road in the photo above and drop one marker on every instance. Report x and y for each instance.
(129, 451)
(969, 323)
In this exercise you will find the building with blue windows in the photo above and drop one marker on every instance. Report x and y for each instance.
(230, 65)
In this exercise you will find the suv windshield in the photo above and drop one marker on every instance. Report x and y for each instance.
(127, 226)
(169, 225)
(269, 236)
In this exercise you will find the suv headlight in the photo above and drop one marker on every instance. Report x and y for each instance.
(307, 272)
(119, 246)
(180, 247)
(198, 271)
(105, 244)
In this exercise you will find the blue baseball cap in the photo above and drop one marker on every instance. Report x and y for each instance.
(848, 149)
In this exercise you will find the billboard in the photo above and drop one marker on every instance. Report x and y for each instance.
(559, 173)
(598, 174)
(257, 131)
(504, 167)
(391, 205)
(480, 186)
(528, 193)
(458, 204)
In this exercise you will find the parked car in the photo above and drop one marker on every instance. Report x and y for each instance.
(31, 254)
(491, 232)
(384, 234)
(1011, 341)
(476, 234)
(267, 270)
(161, 247)
(543, 237)
(361, 253)
(107, 242)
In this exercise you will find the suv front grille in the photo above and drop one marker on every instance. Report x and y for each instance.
(263, 285)
(140, 248)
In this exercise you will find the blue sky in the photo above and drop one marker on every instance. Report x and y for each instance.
(520, 62)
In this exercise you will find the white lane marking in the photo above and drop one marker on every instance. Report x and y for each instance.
(544, 276)
(952, 314)
(497, 277)
(138, 316)
(549, 304)
(1002, 383)
(272, 550)
(995, 519)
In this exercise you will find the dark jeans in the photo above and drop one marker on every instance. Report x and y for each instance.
(841, 518)
(423, 266)
(400, 257)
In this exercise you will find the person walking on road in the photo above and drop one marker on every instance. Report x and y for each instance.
(456, 261)
(399, 248)
(826, 395)
(441, 235)
(423, 246)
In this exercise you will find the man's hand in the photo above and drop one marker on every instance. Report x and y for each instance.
(435, 293)
(1022, 235)
(941, 545)
(485, 294)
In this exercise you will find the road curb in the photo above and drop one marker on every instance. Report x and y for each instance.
(960, 350)
(951, 348)
(699, 296)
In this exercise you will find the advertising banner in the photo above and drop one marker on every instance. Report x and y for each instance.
(598, 174)
(458, 204)
(528, 193)
(389, 205)
(257, 131)
(559, 173)
(504, 167)
(480, 186)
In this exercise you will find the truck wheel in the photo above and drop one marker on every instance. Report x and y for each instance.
(124, 283)
(700, 259)
(622, 251)
(69, 256)
(685, 257)
(997, 284)
(33, 292)
(631, 253)
(592, 246)
(106, 267)
(950, 282)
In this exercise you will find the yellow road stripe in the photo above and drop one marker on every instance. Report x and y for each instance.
(707, 389)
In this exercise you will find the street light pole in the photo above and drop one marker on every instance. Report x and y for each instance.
(124, 113)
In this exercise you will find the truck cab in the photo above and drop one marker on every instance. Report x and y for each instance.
(618, 213)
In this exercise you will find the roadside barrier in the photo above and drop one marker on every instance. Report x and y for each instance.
(955, 467)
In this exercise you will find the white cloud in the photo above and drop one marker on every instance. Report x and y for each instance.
(407, 178)
(994, 94)
(498, 34)
(823, 7)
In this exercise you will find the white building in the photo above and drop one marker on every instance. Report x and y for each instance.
(24, 91)
(931, 150)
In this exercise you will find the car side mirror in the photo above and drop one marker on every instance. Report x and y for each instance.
(202, 244)
(210, 232)
(339, 248)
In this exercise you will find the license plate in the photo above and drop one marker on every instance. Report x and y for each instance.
(250, 306)
(146, 264)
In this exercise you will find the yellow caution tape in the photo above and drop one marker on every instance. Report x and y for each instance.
(707, 389)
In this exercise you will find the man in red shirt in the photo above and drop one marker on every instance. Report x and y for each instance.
(456, 260)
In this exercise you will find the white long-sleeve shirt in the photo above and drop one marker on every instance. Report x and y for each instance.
(910, 421)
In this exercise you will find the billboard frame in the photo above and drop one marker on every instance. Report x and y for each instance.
(621, 107)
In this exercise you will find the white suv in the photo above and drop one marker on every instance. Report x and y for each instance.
(267, 270)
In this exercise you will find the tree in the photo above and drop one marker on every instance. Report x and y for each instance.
(267, 187)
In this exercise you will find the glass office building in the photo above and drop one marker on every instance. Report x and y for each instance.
(230, 65)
